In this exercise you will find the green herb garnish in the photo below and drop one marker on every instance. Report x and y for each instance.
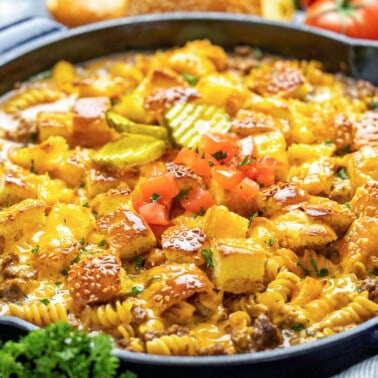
(208, 256)
(342, 173)
(135, 290)
(190, 79)
(184, 193)
(35, 249)
(59, 350)
(138, 263)
(219, 155)
(155, 197)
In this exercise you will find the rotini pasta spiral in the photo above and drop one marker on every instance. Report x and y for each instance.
(30, 97)
(108, 315)
(354, 313)
(63, 74)
(39, 313)
(173, 345)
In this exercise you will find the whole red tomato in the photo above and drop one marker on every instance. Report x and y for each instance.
(355, 18)
(306, 3)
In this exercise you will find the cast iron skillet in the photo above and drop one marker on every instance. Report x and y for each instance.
(34, 45)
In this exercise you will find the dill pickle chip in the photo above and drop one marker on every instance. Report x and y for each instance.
(122, 124)
(130, 150)
(188, 122)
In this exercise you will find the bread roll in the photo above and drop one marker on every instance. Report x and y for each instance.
(79, 12)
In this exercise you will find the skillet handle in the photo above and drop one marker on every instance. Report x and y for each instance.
(25, 30)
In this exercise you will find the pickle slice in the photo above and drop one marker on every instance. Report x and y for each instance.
(130, 150)
(122, 124)
(188, 122)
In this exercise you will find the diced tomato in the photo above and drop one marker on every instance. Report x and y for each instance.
(164, 187)
(223, 147)
(246, 189)
(266, 168)
(154, 213)
(198, 199)
(199, 163)
(227, 177)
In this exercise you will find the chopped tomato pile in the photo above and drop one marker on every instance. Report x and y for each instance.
(225, 159)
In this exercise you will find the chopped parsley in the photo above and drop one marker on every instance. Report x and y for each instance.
(200, 213)
(75, 260)
(86, 204)
(246, 161)
(342, 173)
(35, 249)
(219, 155)
(374, 104)
(184, 193)
(252, 217)
(306, 271)
(9, 203)
(64, 272)
(45, 301)
(154, 277)
(211, 163)
(138, 263)
(208, 256)
(320, 273)
(298, 327)
(258, 53)
(372, 272)
(82, 241)
(155, 197)
(271, 242)
(190, 79)
(347, 204)
(328, 142)
(135, 290)
(101, 243)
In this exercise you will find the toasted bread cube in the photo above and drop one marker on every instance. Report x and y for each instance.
(53, 190)
(15, 185)
(365, 200)
(90, 128)
(219, 89)
(359, 245)
(105, 203)
(219, 222)
(183, 244)
(99, 181)
(169, 284)
(280, 196)
(273, 144)
(339, 217)
(314, 176)
(127, 234)
(54, 124)
(363, 167)
(300, 231)
(239, 265)
(16, 220)
(77, 220)
(41, 158)
(97, 278)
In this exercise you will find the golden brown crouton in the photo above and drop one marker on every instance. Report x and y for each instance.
(169, 284)
(300, 231)
(97, 278)
(127, 234)
(238, 265)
